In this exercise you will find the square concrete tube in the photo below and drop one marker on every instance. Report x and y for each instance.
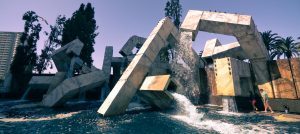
(132, 78)
(57, 79)
(60, 56)
(131, 44)
(69, 87)
(40, 82)
(240, 26)
(214, 49)
(154, 91)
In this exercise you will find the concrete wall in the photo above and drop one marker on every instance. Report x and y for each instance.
(282, 78)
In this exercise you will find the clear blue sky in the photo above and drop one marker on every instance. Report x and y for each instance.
(120, 19)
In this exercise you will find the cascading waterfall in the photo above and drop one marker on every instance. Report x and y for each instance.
(185, 109)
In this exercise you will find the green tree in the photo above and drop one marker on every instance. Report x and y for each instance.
(82, 25)
(286, 47)
(173, 9)
(53, 41)
(269, 40)
(25, 59)
(298, 44)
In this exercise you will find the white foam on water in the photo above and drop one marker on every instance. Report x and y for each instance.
(229, 113)
(187, 113)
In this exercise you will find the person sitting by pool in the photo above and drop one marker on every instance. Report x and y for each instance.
(265, 98)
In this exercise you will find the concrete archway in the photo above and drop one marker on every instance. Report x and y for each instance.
(240, 26)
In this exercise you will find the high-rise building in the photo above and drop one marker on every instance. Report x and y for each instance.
(8, 44)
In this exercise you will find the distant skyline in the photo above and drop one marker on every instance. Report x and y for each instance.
(119, 20)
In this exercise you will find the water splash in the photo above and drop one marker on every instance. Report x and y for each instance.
(188, 113)
(185, 109)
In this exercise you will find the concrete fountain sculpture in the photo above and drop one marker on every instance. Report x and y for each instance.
(165, 57)
(64, 85)
(185, 62)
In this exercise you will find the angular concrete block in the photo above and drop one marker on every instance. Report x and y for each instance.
(69, 87)
(61, 56)
(191, 22)
(240, 26)
(57, 79)
(133, 76)
(106, 66)
(209, 47)
(131, 43)
(164, 28)
(232, 77)
(40, 82)
(262, 76)
(156, 83)
(154, 91)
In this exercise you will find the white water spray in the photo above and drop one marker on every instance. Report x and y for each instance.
(185, 109)
(188, 113)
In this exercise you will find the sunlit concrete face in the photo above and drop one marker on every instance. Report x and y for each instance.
(240, 26)
(233, 77)
(154, 91)
(132, 78)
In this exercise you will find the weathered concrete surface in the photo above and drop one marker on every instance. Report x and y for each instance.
(214, 49)
(40, 82)
(282, 79)
(130, 81)
(209, 47)
(69, 87)
(56, 80)
(212, 85)
(233, 77)
(108, 55)
(61, 56)
(293, 104)
(240, 26)
(131, 43)
(295, 62)
(154, 91)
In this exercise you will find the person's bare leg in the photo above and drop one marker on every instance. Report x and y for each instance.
(266, 106)
(270, 107)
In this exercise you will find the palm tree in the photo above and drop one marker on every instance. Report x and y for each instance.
(269, 39)
(288, 48)
(298, 45)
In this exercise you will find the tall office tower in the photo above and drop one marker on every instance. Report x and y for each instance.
(8, 44)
